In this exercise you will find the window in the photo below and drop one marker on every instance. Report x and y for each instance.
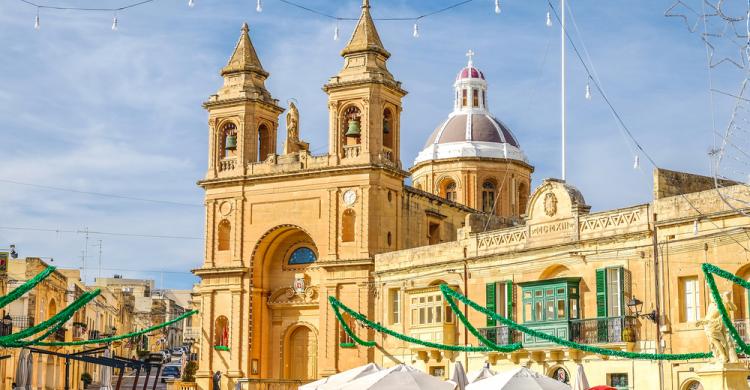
(449, 190)
(225, 229)
(690, 309)
(437, 371)
(475, 98)
(484, 99)
(394, 305)
(433, 233)
(612, 291)
(550, 300)
(428, 309)
(463, 98)
(488, 196)
(618, 381)
(221, 332)
(387, 129)
(302, 255)
(347, 225)
(499, 299)
(343, 336)
(523, 197)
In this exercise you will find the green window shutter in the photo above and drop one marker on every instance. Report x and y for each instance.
(490, 300)
(601, 292)
(509, 298)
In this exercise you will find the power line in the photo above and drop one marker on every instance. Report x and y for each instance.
(126, 197)
(43, 6)
(93, 232)
(402, 18)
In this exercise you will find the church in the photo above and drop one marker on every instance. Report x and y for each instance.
(283, 232)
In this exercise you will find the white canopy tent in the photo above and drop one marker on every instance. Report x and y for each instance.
(580, 382)
(520, 378)
(459, 376)
(341, 378)
(478, 375)
(399, 377)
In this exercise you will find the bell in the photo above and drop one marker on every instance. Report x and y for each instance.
(353, 129)
(386, 127)
(231, 143)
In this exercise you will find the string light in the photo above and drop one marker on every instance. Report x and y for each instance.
(415, 33)
(114, 23)
(549, 19)
(336, 33)
(636, 162)
(191, 3)
(497, 6)
(695, 227)
(258, 6)
(588, 91)
(36, 20)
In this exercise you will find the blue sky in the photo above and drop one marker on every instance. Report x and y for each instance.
(86, 108)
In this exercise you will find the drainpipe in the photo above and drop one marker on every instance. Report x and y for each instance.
(657, 292)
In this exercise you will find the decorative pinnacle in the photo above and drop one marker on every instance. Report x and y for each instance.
(245, 28)
(365, 3)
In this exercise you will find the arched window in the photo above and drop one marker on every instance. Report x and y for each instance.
(302, 255)
(52, 309)
(387, 129)
(221, 332)
(449, 190)
(694, 385)
(351, 126)
(475, 98)
(229, 140)
(264, 142)
(464, 97)
(224, 232)
(347, 225)
(523, 197)
(488, 196)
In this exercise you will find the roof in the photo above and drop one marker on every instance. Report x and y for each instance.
(464, 126)
(244, 58)
(365, 36)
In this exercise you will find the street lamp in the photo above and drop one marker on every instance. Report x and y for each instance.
(635, 305)
(7, 324)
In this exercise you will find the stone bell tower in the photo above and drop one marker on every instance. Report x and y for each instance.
(364, 101)
(243, 116)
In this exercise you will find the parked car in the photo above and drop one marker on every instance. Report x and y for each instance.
(177, 352)
(158, 357)
(170, 372)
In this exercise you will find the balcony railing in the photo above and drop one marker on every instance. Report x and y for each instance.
(501, 335)
(79, 332)
(59, 334)
(604, 330)
(94, 334)
(22, 322)
(351, 151)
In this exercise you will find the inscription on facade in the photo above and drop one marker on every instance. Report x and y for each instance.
(551, 228)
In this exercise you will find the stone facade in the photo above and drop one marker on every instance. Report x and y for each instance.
(285, 232)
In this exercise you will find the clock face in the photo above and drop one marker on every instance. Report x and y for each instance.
(350, 197)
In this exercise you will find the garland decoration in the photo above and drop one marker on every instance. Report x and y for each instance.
(22, 289)
(122, 336)
(708, 271)
(336, 305)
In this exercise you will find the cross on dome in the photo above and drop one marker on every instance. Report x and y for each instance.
(470, 54)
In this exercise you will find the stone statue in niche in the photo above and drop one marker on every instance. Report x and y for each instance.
(719, 340)
(293, 144)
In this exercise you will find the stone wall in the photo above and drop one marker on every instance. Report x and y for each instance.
(671, 183)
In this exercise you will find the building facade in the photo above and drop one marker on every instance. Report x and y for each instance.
(286, 231)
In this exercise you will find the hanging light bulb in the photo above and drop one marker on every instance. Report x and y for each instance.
(588, 91)
(258, 6)
(415, 33)
(114, 23)
(497, 6)
(36, 20)
(695, 227)
(636, 162)
(191, 3)
(336, 33)
(549, 19)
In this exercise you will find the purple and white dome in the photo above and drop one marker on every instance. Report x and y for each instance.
(471, 130)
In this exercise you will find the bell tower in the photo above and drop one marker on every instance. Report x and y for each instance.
(242, 116)
(364, 101)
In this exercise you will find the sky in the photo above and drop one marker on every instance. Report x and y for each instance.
(89, 109)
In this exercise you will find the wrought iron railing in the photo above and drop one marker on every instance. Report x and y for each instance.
(79, 332)
(604, 330)
(22, 322)
(59, 334)
(742, 325)
(501, 335)
(94, 334)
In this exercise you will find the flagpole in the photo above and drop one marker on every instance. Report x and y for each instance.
(562, 82)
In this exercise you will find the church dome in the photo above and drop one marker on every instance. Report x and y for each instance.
(471, 130)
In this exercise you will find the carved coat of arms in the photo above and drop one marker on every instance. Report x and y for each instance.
(299, 284)
(550, 204)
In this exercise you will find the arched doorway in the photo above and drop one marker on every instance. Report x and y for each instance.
(301, 358)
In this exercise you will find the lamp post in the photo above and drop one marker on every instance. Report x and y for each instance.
(635, 306)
